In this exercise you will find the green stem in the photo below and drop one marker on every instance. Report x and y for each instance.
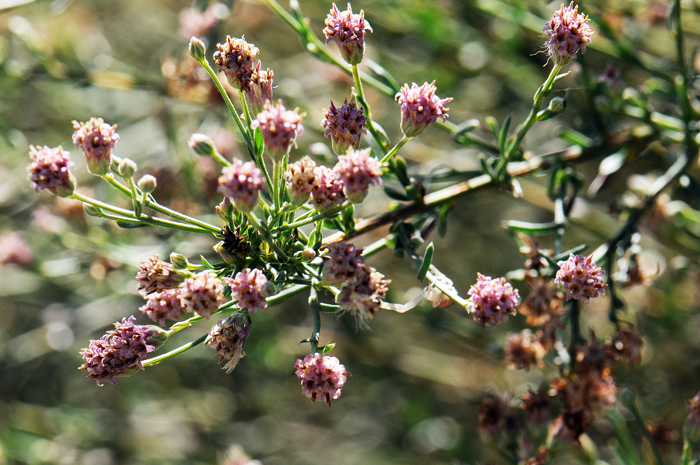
(276, 180)
(316, 333)
(645, 431)
(314, 218)
(359, 92)
(281, 256)
(395, 149)
(174, 352)
(687, 452)
(449, 291)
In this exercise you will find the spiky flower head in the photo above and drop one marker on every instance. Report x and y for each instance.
(363, 296)
(420, 107)
(322, 377)
(50, 169)
(241, 182)
(237, 59)
(328, 190)
(202, 294)
(567, 33)
(260, 88)
(342, 264)
(358, 171)
(523, 350)
(492, 300)
(163, 305)
(348, 31)
(156, 275)
(247, 287)
(228, 337)
(580, 278)
(121, 351)
(301, 177)
(344, 125)
(279, 127)
(97, 139)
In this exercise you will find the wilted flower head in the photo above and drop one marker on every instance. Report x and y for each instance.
(301, 177)
(496, 414)
(342, 263)
(163, 305)
(523, 350)
(626, 343)
(358, 171)
(237, 59)
(580, 278)
(247, 287)
(50, 170)
(567, 33)
(363, 296)
(156, 275)
(536, 407)
(420, 107)
(492, 300)
(328, 190)
(259, 88)
(228, 337)
(241, 182)
(121, 351)
(348, 31)
(279, 128)
(202, 294)
(322, 377)
(544, 302)
(97, 139)
(344, 125)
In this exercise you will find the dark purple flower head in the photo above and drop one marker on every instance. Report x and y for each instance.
(301, 177)
(279, 127)
(228, 337)
(343, 263)
(567, 33)
(328, 190)
(163, 305)
(202, 294)
(363, 297)
(259, 89)
(581, 278)
(348, 31)
(492, 300)
(241, 182)
(344, 125)
(358, 171)
(156, 275)
(237, 59)
(247, 287)
(50, 170)
(97, 139)
(121, 351)
(420, 107)
(321, 377)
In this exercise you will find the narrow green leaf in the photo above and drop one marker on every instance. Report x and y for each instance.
(130, 225)
(575, 137)
(395, 194)
(206, 263)
(532, 228)
(427, 261)
(327, 348)
(503, 135)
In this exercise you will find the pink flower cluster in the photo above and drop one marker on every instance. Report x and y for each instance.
(50, 169)
(420, 107)
(328, 189)
(492, 300)
(228, 337)
(301, 178)
(358, 170)
(348, 31)
(97, 139)
(321, 377)
(567, 33)
(241, 182)
(202, 294)
(247, 287)
(156, 275)
(581, 278)
(121, 351)
(279, 128)
(344, 125)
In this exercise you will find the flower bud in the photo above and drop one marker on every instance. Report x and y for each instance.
(127, 168)
(197, 49)
(225, 209)
(308, 254)
(50, 169)
(147, 183)
(556, 106)
(268, 289)
(202, 145)
(179, 261)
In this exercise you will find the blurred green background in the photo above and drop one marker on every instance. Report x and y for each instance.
(417, 378)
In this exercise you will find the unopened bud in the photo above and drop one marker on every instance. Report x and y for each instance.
(268, 289)
(225, 209)
(197, 49)
(179, 261)
(308, 254)
(202, 145)
(556, 106)
(147, 183)
(127, 168)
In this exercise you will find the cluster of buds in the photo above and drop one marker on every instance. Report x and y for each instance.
(250, 288)
(50, 169)
(492, 300)
(121, 351)
(279, 128)
(345, 126)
